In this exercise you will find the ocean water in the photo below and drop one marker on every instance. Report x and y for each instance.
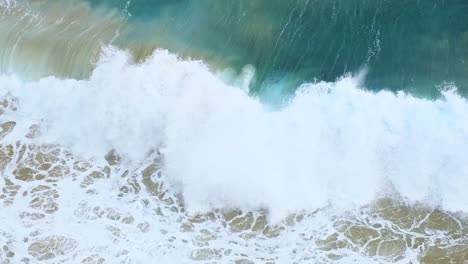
(233, 131)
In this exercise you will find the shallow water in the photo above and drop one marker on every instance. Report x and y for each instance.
(61, 209)
(286, 143)
(167, 195)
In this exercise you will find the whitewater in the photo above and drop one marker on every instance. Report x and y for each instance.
(165, 161)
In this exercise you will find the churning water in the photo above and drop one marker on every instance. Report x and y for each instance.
(233, 132)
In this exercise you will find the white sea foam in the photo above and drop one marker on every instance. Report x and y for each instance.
(333, 143)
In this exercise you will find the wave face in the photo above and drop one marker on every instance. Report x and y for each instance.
(114, 149)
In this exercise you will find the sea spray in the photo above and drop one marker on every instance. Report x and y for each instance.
(254, 139)
(333, 142)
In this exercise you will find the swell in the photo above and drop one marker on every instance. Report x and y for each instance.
(414, 46)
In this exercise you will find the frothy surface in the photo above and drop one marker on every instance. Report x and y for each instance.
(113, 150)
(128, 159)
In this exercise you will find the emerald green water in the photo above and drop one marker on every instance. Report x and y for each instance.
(417, 46)
(413, 45)
(83, 179)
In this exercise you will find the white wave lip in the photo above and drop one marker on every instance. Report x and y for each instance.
(333, 143)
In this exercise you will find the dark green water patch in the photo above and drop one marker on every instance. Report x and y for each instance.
(415, 45)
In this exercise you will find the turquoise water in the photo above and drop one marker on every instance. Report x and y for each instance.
(233, 131)
(412, 45)
(416, 46)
